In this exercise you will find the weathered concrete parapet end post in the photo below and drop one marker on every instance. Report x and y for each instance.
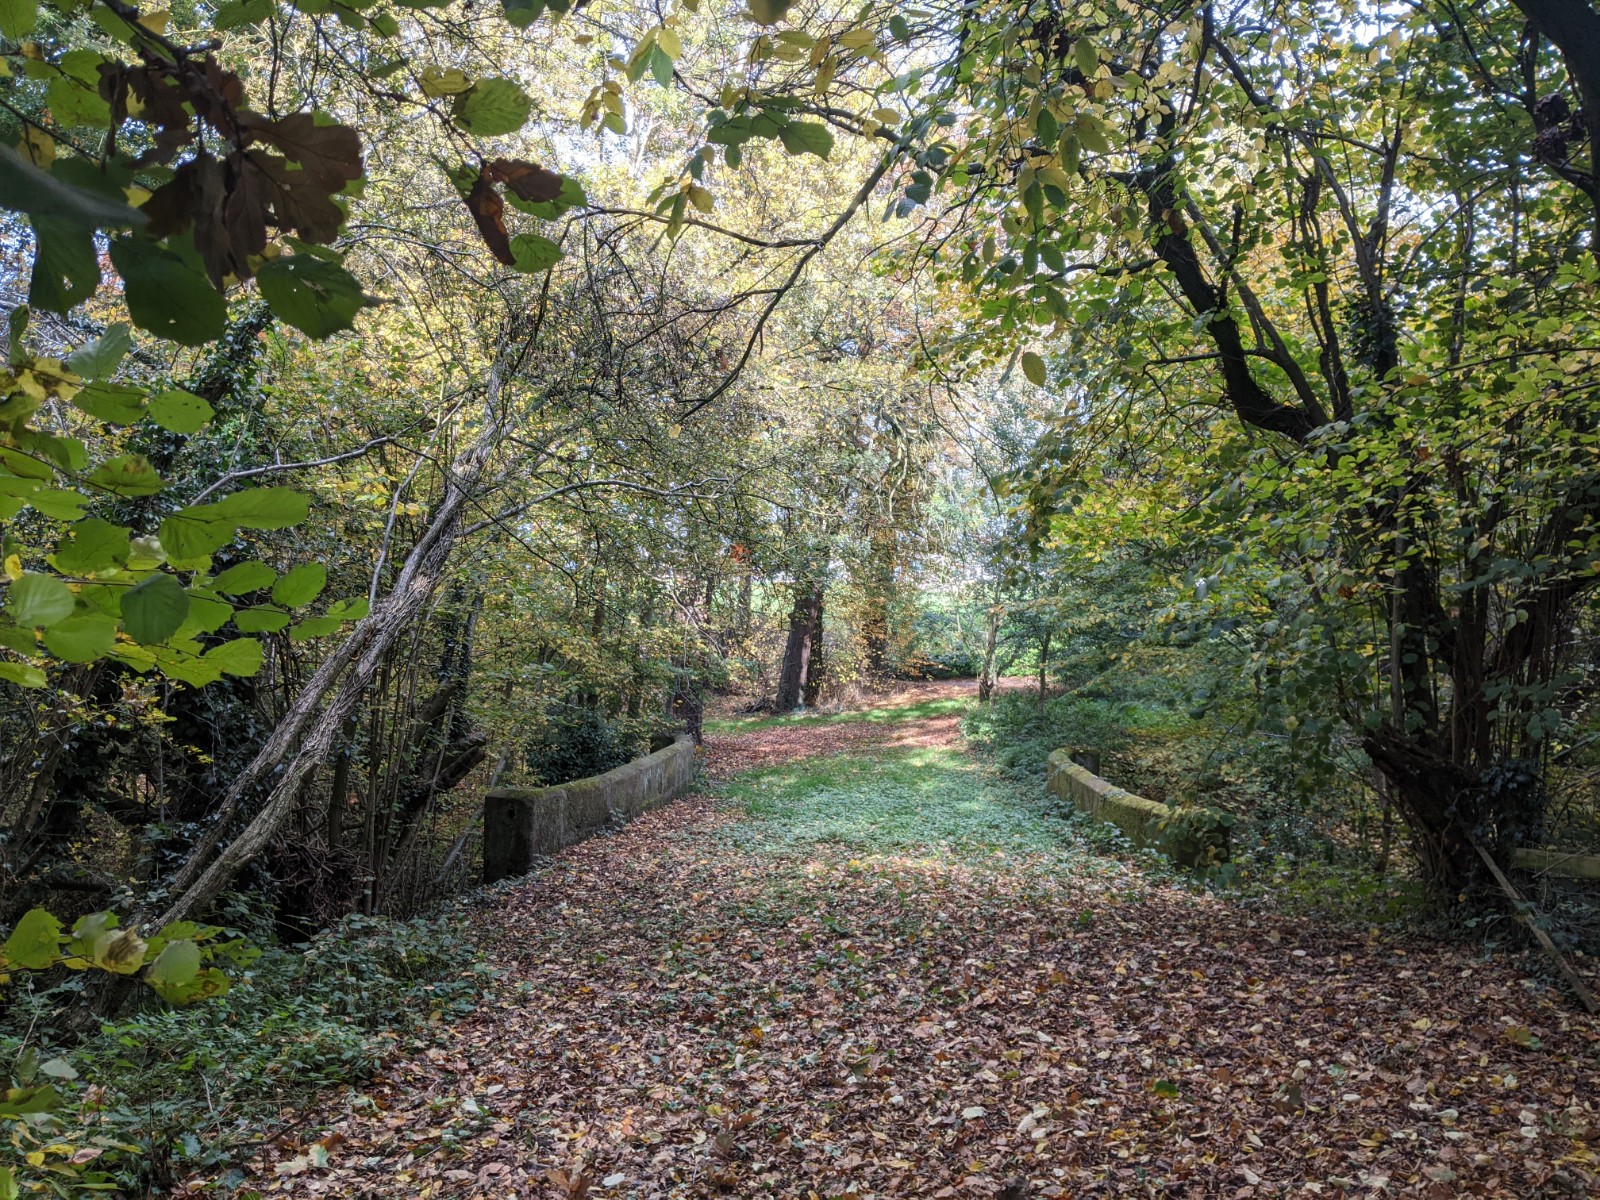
(521, 825)
(1194, 837)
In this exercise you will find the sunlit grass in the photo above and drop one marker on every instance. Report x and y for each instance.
(881, 715)
(924, 804)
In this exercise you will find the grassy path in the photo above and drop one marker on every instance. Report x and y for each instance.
(865, 967)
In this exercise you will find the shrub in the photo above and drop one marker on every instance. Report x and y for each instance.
(575, 742)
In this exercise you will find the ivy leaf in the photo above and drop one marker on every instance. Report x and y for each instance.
(492, 107)
(168, 294)
(154, 609)
(37, 599)
(301, 585)
(318, 298)
(178, 411)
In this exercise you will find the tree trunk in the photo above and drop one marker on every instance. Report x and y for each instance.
(988, 676)
(304, 737)
(805, 635)
(1044, 667)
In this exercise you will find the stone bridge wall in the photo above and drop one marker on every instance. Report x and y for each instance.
(1193, 837)
(523, 824)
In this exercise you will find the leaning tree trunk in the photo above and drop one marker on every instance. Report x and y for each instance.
(305, 737)
(805, 635)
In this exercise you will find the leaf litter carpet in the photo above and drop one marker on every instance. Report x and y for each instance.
(684, 1014)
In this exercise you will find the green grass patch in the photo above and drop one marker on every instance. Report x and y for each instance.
(923, 803)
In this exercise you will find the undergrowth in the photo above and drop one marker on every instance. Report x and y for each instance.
(189, 1089)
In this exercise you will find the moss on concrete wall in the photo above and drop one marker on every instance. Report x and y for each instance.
(523, 824)
(1193, 837)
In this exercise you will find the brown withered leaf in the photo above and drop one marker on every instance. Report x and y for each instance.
(216, 93)
(528, 180)
(298, 201)
(489, 211)
(330, 155)
(945, 1021)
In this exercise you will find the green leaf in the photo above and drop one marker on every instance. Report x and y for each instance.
(178, 411)
(806, 137)
(74, 103)
(260, 619)
(492, 107)
(168, 293)
(241, 12)
(205, 985)
(90, 546)
(22, 675)
(264, 508)
(37, 599)
(82, 638)
(113, 403)
(769, 12)
(1085, 56)
(101, 356)
(66, 269)
(178, 963)
(187, 537)
(532, 253)
(660, 63)
(318, 298)
(18, 18)
(350, 610)
(130, 475)
(1033, 367)
(36, 941)
(522, 13)
(301, 585)
(207, 613)
(154, 609)
(314, 627)
(242, 656)
(28, 189)
(245, 577)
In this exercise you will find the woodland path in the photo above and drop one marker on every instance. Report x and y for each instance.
(863, 967)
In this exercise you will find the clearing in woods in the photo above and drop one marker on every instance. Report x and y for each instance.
(862, 966)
